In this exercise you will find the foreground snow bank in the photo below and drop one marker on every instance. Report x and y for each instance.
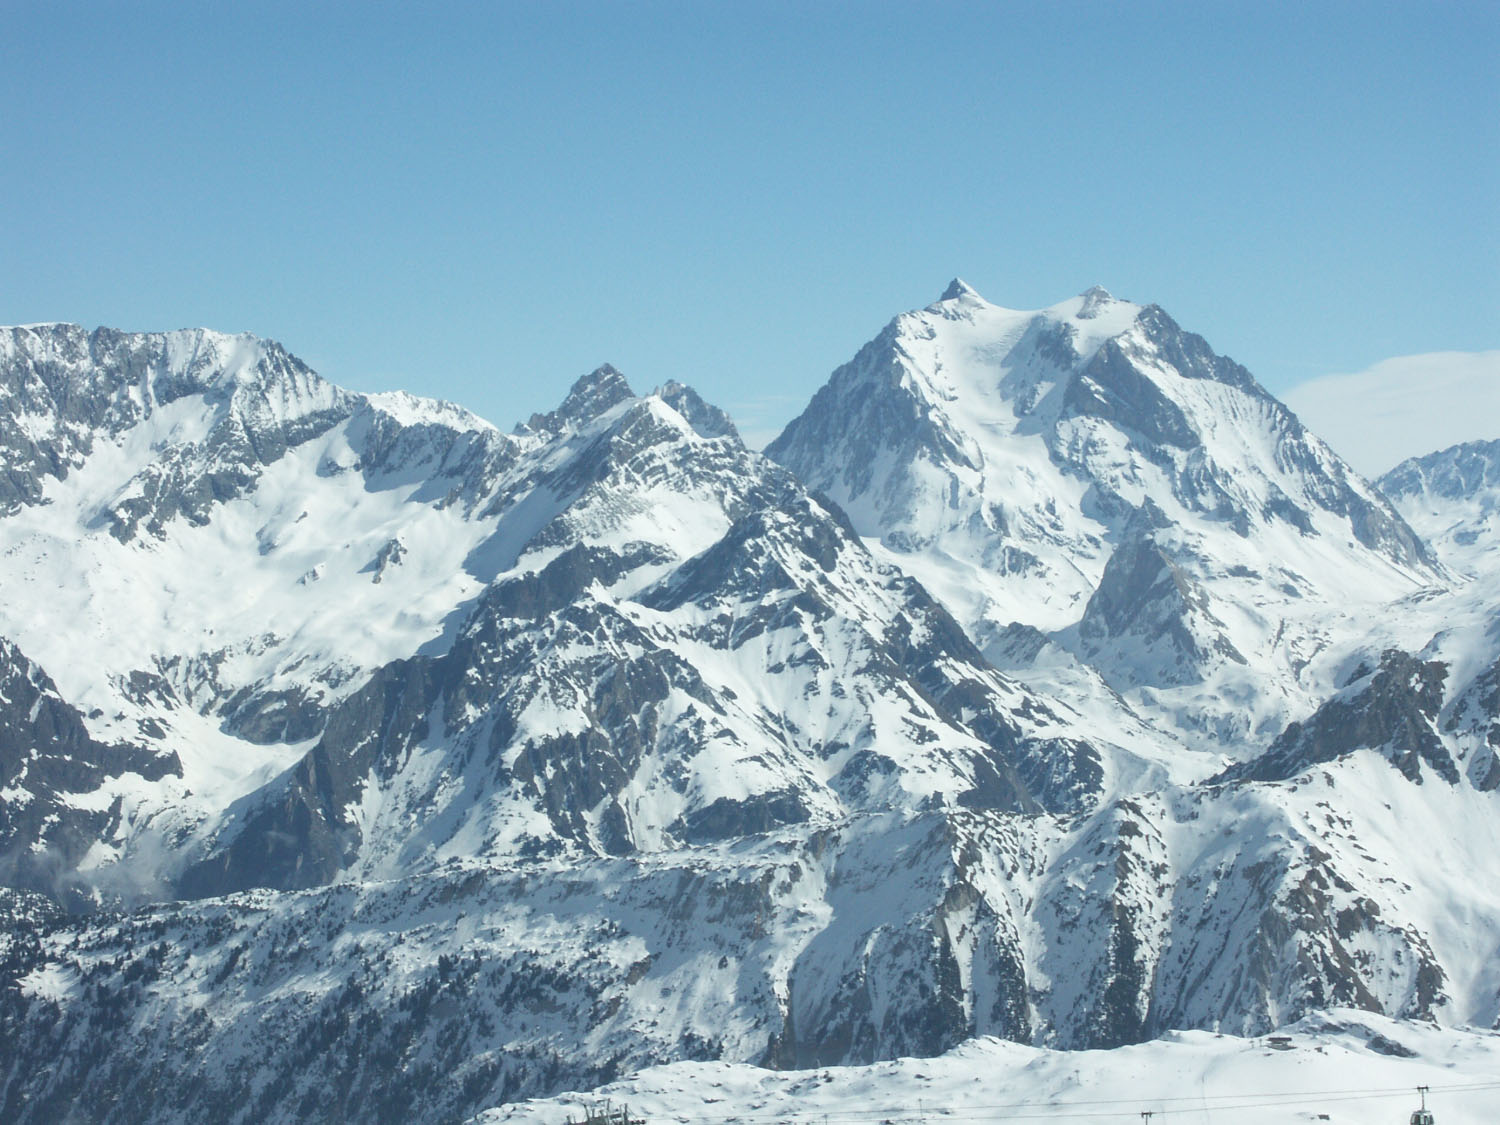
(1346, 1066)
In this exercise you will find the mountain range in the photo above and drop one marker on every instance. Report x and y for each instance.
(1045, 679)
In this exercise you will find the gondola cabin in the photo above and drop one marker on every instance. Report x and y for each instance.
(1423, 1116)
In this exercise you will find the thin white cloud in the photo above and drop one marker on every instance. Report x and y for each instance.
(1403, 407)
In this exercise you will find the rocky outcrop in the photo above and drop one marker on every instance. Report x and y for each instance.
(1474, 717)
(1149, 621)
(1392, 709)
(56, 801)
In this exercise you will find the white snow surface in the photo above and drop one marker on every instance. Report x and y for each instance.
(1346, 1067)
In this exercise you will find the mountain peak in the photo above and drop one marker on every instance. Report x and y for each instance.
(606, 375)
(1095, 298)
(705, 418)
(958, 290)
(590, 396)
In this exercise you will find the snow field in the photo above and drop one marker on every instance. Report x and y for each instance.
(1340, 1069)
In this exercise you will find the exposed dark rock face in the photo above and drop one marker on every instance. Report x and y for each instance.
(1111, 388)
(1475, 713)
(453, 462)
(300, 833)
(48, 762)
(591, 395)
(1393, 710)
(1148, 620)
(867, 412)
(388, 556)
(708, 420)
(1299, 936)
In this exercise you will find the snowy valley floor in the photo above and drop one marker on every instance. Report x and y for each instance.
(1346, 1068)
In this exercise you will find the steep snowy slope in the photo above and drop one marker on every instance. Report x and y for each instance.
(1091, 478)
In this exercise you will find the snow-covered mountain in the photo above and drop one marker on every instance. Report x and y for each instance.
(441, 767)
(1091, 485)
(1452, 498)
(208, 545)
(687, 648)
(397, 635)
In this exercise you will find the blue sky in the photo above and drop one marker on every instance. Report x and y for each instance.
(483, 201)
